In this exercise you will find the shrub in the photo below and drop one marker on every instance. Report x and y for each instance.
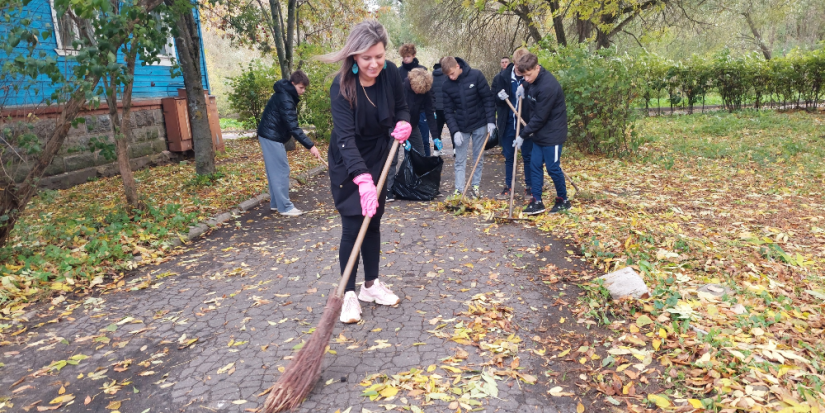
(599, 89)
(251, 91)
(315, 104)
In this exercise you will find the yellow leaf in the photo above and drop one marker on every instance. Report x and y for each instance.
(580, 408)
(656, 343)
(659, 400)
(62, 399)
(389, 391)
(662, 333)
(563, 353)
(62, 390)
(695, 403)
(431, 368)
(375, 330)
(113, 405)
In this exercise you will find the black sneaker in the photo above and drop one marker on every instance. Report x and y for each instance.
(560, 205)
(390, 197)
(505, 194)
(535, 208)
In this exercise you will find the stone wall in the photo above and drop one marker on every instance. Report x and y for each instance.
(148, 138)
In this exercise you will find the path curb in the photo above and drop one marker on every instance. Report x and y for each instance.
(203, 227)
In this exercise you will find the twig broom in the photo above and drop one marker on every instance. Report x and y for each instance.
(302, 373)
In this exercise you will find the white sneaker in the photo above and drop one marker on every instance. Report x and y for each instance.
(294, 212)
(351, 311)
(378, 293)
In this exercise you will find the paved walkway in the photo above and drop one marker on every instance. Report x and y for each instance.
(209, 329)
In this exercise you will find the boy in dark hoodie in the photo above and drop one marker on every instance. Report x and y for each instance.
(440, 120)
(279, 122)
(547, 129)
(409, 62)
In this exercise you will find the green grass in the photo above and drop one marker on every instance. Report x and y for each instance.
(233, 124)
(750, 136)
(712, 98)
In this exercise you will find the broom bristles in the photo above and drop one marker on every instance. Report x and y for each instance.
(303, 372)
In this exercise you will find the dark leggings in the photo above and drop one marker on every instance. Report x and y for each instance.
(370, 249)
(440, 120)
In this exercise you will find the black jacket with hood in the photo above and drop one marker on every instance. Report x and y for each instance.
(421, 103)
(548, 111)
(503, 80)
(468, 102)
(351, 153)
(404, 69)
(279, 121)
(438, 84)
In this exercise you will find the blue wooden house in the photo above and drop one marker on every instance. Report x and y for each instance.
(152, 84)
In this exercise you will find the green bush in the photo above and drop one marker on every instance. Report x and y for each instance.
(599, 89)
(251, 90)
(315, 104)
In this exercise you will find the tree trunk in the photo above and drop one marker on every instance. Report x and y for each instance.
(757, 37)
(558, 22)
(290, 30)
(278, 36)
(188, 44)
(14, 197)
(121, 143)
(583, 28)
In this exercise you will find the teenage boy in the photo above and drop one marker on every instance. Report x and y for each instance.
(547, 129)
(470, 114)
(438, 82)
(279, 122)
(408, 63)
(505, 62)
(510, 85)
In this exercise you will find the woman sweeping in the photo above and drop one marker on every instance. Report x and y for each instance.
(368, 111)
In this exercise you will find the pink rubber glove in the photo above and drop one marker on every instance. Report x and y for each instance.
(369, 195)
(402, 131)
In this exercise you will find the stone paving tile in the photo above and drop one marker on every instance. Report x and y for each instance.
(251, 291)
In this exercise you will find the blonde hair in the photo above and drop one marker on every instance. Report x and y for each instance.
(521, 51)
(420, 80)
(448, 63)
(364, 35)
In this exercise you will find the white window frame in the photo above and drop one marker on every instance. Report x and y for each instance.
(59, 50)
(168, 58)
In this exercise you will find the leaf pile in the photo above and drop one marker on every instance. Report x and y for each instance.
(722, 214)
(485, 325)
(71, 240)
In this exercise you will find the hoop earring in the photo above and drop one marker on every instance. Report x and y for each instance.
(355, 68)
(385, 64)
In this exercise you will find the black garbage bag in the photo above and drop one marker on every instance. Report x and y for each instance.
(492, 141)
(419, 177)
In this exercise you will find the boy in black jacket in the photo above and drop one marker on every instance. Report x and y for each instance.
(547, 129)
(279, 122)
(470, 114)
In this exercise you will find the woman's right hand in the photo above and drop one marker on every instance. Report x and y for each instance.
(369, 194)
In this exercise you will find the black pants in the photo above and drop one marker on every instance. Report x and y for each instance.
(370, 249)
(440, 120)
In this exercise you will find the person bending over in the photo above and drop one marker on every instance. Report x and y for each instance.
(278, 123)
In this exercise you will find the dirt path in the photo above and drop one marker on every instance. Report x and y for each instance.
(251, 291)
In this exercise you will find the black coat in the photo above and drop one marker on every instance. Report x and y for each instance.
(503, 80)
(438, 84)
(404, 69)
(421, 103)
(280, 119)
(350, 153)
(468, 102)
(548, 111)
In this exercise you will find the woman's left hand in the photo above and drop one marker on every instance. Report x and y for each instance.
(402, 131)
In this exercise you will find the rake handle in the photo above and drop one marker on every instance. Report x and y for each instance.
(356, 249)
(480, 155)
(515, 159)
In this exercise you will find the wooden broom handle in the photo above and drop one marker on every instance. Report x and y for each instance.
(356, 249)
(514, 111)
(515, 158)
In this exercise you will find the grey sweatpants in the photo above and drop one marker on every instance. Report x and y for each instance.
(277, 173)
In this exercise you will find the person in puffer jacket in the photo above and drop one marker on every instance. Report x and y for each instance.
(279, 122)
(471, 116)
